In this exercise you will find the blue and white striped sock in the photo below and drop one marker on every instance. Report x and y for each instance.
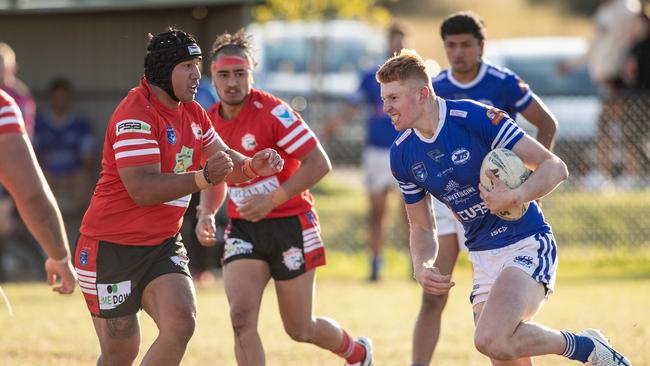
(577, 347)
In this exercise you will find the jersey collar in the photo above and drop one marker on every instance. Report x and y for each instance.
(481, 73)
(442, 115)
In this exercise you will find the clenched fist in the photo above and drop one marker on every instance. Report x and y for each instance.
(267, 162)
(218, 167)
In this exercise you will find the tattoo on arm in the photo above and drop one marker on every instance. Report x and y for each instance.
(122, 328)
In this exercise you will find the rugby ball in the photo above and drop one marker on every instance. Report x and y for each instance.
(509, 168)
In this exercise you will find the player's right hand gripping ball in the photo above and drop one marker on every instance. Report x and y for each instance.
(509, 168)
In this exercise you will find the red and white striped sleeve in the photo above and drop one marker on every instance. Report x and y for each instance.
(11, 120)
(134, 143)
(208, 132)
(293, 134)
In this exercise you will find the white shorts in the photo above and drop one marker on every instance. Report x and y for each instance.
(535, 255)
(446, 223)
(376, 168)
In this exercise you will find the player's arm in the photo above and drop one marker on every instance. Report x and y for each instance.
(211, 200)
(147, 185)
(423, 244)
(541, 117)
(22, 177)
(264, 163)
(314, 165)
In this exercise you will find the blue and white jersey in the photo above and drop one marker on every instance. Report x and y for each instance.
(448, 166)
(495, 86)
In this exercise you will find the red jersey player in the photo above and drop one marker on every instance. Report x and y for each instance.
(273, 230)
(21, 175)
(129, 254)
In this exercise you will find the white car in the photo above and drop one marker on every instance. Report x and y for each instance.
(573, 98)
(305, 58)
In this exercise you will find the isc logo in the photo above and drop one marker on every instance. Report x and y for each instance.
(132, 125)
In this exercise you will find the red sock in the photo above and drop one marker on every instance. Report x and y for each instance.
(351, 350)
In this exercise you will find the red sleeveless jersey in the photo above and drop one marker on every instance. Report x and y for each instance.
(267, 122)
(144, 131)
(11, 120)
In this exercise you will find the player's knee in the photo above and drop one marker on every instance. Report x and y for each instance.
(433, 303)
(495, 348)
(123, 354)
(241, 318)
(299, 332)
(181, 327)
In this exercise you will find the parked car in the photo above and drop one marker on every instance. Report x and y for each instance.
(305, 58)
(573, 98)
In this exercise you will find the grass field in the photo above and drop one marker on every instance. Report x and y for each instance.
(56, 330)
(598, 286)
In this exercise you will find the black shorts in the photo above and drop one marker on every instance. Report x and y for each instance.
(290, 245)
(112, 277)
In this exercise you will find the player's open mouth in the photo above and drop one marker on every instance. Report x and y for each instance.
(394, 118)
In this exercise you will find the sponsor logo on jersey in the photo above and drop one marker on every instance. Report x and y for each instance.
(458, 113)
(183, 160)
(248, 142)
(132, 125)
(284, 115)
(524, 260)
(196, 130)
(311, 218)
(113, 295)
(293, 258)
(236, 246)
(458, 194)
(436, 155)
(498, 231)
(239, 194)
(419, 171)
(258, 104)
(460, 156)
(445, 172)
(83, 257)
(469, 214)
(171, 135)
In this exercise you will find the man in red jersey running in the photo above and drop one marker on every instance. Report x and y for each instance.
(21, 175)
(273, 230)
(129, 254)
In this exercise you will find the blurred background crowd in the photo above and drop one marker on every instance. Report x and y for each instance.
(68, 63)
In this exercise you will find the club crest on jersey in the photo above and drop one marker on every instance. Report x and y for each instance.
(171, 135)
(419, 171)
(248, 142)
(460, 156)
(293, 258)
(495, 115)
(196, 130)
(284, 115)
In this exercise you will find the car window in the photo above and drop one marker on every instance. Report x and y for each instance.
(347, 55)
(287, 55)
(542, 76)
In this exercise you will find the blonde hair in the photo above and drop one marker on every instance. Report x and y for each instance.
(408, 65)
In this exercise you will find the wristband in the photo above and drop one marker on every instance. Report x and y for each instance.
(205, 173)
(247, 169)
(199, 179)
(63, 260)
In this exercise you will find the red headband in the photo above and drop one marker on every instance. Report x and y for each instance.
(229, 61)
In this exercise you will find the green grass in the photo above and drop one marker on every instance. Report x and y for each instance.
(57, 330)
(604, 285)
